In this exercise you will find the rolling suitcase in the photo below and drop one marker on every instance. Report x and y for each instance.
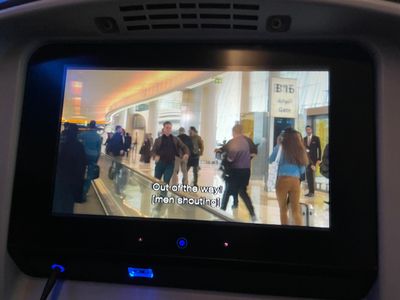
(307, 213)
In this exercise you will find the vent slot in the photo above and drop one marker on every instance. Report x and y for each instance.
(245, 17)
(190, 26)
(246, 6)
(187, 5)
(216, 26)
(163, 17)
(245, 27)
(134, 18)
(214, 16)
(215, 5)
(131, 8)
(161, 6)
(189, 16)
(138, 27)
(165, 26)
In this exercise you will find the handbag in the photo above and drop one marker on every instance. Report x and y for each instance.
(141, 151)
(273, 172)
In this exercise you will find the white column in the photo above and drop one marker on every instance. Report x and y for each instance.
(124, 118)
(190, 109)
(271, 117)
(152, 122)
(208, 121)
(259, 133)
(245, 93)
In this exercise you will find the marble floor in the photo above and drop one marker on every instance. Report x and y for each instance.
(265, 203)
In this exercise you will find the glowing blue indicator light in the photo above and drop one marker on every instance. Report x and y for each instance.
(139, 272)
(182, 243)
(59, 267)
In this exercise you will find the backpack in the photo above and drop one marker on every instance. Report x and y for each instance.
(226, 166)
(196, 148)
(187, 141)
(253, 148)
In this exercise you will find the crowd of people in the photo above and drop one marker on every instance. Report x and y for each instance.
(78, 155)
(296, 158)
(174, 154)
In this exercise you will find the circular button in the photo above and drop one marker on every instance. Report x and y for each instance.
(181, 243)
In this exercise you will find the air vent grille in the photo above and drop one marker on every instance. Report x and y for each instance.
(190, 15)
(215, 5)
(161, 6)
(132, 8)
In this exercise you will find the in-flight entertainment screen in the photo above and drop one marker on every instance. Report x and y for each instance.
(229, 146)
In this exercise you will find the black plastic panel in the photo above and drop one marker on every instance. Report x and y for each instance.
(340, 262)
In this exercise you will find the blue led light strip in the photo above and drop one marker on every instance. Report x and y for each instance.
(139, 272)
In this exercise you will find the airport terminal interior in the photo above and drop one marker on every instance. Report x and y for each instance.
(211, 102)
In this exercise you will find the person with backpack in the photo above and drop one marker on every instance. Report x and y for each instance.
(196, 152)
(180, 163)
(225, 167)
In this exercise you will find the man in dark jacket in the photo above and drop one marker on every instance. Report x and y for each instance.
(117, 143)
(313, 148)
(91, 141)
(165, 149)
(197, 151)
(117, 150)
(180, 163)
(128, 143)
(70, 176)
